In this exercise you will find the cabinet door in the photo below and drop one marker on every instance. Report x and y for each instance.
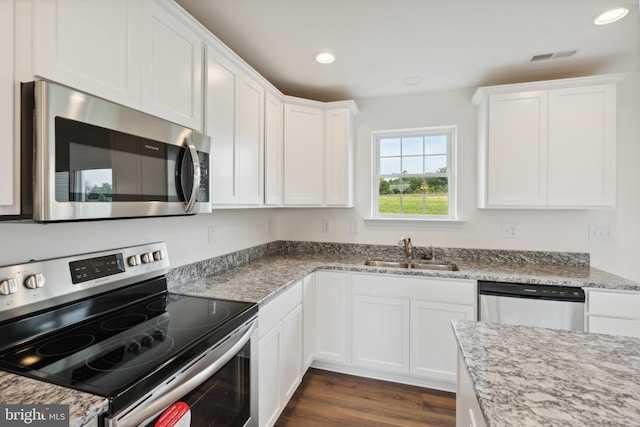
(308, 321)
(249, 141)
(517, 150)
(94, 46)
(339, 158)
(171, 68)
(380, 337)
(468, 412)
(582, 155)
(613, 312)
(433, 344)
(303, 155)
(220, 126)
(270, 360)
(273, 150)
(331, 316)
(292, 353)
(9, 153)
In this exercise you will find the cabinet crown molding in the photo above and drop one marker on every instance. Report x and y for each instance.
(483, 92)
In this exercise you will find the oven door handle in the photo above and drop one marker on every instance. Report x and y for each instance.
(195, 375)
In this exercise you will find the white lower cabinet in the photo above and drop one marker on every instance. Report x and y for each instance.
(331, 316)
(380, 337)
(468, 412)
(402, 325)
(280, 353)
(433, 345)
(308, 320)
(382, 326)
(613, 312)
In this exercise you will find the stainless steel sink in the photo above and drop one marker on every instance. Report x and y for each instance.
(426, 265)
(379, 263)
(448, 266)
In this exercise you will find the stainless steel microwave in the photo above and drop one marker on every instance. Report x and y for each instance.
(86, 158)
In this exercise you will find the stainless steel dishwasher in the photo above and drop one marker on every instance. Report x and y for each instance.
(547, 306)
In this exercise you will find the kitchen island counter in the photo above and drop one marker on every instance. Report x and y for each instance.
(533, 376)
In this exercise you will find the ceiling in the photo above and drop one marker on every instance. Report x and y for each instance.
(450, 44)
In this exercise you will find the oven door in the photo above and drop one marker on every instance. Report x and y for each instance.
(218, 389)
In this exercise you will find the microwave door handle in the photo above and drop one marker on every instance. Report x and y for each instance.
(195, 375)
(190, 203)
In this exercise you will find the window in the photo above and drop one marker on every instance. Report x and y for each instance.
(414, 173)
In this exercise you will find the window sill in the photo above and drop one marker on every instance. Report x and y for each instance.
(413, 220)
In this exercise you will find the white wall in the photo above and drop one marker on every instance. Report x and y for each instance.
(187, 237)
(539, 230)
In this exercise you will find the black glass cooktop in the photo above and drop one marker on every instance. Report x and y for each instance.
(127, 348)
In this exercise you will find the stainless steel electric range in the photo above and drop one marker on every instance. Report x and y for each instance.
(104, 323)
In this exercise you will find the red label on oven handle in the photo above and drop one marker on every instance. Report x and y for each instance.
(176, 415)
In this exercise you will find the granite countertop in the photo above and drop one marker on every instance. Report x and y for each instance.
(540, 377)
(83, 407)
(263, 278)
(259, 274)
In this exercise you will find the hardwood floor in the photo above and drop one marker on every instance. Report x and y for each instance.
(330, 399)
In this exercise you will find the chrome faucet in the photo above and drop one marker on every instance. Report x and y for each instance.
(408, 247)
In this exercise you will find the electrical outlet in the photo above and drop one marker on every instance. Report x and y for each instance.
(269, 226)
(353, 226)
(601, 232)
(509, 231)
(326, 226)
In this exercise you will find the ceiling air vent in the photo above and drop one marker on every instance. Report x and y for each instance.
(545, 56)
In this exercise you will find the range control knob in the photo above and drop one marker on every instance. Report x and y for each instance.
(8, 286)
(159, 335)
(146, 258)
(35, 281)
(134, 347)
(132, 261)
(158, 255)
(147, 340)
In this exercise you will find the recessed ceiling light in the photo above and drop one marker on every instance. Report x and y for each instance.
(612, 15)
(412, 81)
(325, 58)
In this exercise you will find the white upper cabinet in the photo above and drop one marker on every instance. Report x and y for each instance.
(303, 155)
(548, 144)
(235, 122)
(517, 172)
(220, 126)
(171, 67)
(273, 150)
(339, 140)
(9, 152)
(582, 146)
(93, 46)
(250, 140)
(318, 154)
(133, 52)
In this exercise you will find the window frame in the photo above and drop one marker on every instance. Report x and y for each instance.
(450, 131)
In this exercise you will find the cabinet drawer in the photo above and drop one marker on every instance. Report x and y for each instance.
(624, 305)
(275, 310)
(608, 325)
(452, 291)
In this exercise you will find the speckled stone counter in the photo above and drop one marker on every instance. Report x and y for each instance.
(83, 407)
(543, 377)
(257, 275)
